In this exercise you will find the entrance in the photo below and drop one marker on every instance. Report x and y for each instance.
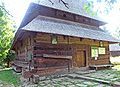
(81, 58)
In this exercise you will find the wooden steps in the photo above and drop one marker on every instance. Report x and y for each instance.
(96, 67)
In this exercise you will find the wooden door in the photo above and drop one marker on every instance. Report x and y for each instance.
(80, 58)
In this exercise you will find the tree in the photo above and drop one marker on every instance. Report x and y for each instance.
(10, 57)
(92, 4)
(92, 7)
(6, 32)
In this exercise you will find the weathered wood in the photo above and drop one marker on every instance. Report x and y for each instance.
(46, 38)
(96, 67)
(51, 62)
(69, 52)
(21, 63)
(55, 56)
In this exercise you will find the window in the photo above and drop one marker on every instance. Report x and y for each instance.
(94, 51)
(54, 39)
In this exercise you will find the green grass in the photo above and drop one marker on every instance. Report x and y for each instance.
(8, 77)
(115, 60)
(116, 67)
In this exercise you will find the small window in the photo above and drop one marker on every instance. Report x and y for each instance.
(54, 39)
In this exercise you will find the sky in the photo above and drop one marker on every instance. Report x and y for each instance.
(18, 8)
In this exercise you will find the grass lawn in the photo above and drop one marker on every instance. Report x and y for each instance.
(8, 77)
(116, 62)
(117, 67)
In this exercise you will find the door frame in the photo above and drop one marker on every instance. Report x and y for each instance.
(85, 58)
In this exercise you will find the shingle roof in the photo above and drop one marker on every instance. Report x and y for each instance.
(75, 6)
(114, 47)
(63, 27)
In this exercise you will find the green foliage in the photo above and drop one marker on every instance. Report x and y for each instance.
(99, 4)
(6, 32)
(88, 7)
(93, 7)
(8, 77)
(10, 57)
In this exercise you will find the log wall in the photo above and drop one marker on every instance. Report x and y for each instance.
(78, 44)
(48, 58)
(35, 45)
(24, 46)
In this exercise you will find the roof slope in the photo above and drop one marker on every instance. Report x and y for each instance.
(75, 6)
(36, 9)
(63, 27)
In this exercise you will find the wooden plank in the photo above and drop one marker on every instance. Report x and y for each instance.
(95, 62)
(46, 38)
(57, 56)
(100, 66)
(49, 68)
(105, 65)
(51, 62)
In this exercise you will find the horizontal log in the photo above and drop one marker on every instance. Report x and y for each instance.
(39, 53)
(57, 56)
(49, 71)
(102, 61)
(27, 74)
(50, 62)
(50, 68)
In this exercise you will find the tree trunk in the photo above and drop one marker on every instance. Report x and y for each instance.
(8, 64)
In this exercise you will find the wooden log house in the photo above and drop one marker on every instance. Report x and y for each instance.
(114, 50)
(51, 39)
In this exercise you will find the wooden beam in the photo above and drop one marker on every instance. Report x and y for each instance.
(57, 56)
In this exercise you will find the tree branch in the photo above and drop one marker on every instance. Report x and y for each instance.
(51, 2)
(5, 10)
(66, 4)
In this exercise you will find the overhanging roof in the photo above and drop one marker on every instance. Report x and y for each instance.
(68, 28)
(38, 9)
(74, 6)
(43, 8)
